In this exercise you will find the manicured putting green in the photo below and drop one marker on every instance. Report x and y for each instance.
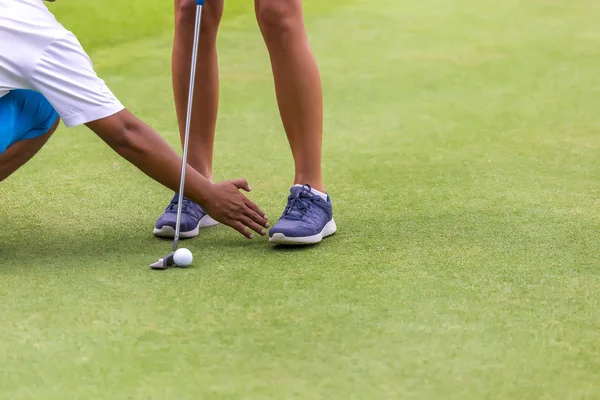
(462, 155)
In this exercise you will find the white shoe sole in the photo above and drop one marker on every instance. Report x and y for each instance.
(169, 232)
(328, 230)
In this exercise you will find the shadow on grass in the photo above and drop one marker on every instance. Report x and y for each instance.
(46, 244)
(293, 248)
(461, 235)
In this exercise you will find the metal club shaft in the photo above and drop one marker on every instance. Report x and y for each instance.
(168, 260)
(188, 121)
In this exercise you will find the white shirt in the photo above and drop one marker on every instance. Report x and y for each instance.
(38, 53)
(18, 17)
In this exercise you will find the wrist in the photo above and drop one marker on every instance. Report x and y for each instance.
(206, 192)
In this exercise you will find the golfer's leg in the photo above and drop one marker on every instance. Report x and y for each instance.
(297, 84)
(17, 155)
(206, 96)
(204, 117)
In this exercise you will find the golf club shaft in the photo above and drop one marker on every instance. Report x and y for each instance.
(188, 121)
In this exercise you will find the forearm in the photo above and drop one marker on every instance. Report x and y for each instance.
(144, 148)
(156, 158)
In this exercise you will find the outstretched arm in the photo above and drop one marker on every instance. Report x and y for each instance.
(144, 148)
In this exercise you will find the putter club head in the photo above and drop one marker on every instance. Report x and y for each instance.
(164, 263)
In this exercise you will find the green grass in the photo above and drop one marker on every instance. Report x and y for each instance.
(461, 153)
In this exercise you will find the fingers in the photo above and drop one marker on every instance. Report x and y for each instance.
(252, 211)
(242, 223)
(241, 213)
(254, 208)
(238, 226)
(248, 222)
(257, 218)
(242, 184)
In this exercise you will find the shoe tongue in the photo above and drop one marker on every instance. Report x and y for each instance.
(294, 212)
(173, 204)
(295, 190)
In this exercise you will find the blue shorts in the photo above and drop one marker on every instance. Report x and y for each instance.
(24, 114)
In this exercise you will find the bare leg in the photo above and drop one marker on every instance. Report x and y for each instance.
(206, 96)
(22, 151)
(297, 84)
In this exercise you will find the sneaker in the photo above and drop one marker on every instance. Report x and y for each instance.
(307, 219)
(193, 217)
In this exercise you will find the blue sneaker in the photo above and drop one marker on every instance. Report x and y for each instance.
(193, 217)
(307, 219)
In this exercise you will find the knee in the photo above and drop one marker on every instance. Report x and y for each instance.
(53, 127)
(185, 15)
(49, 130)
(279, 18)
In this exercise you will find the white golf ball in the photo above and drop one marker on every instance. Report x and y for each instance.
(183, 258)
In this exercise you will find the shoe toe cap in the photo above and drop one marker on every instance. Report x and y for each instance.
(165, 220)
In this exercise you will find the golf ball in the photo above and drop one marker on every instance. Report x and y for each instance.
(183, 258)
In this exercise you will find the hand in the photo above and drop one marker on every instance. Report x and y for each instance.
(227, 205)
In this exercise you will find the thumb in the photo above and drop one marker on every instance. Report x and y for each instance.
(242, 184)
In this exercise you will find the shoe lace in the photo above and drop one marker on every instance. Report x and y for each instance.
(299, 204)
(187, 206)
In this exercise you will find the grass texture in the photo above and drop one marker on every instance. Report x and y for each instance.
(462, 156)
